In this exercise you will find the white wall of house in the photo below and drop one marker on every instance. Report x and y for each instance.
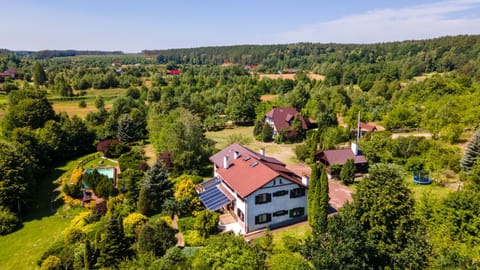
(269, 121)
(277, 203)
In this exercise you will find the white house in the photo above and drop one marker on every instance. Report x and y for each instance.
(259, 191)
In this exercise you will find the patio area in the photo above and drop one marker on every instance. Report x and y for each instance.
(229, 223)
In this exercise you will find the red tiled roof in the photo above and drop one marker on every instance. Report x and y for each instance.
(282, 116)
(174, 72)
(339, 156)
(229, 151)
(367, 127)
(251, 171)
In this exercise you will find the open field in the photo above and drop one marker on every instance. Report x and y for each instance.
(311, 76)
(244, 136)
(268, 97)
(72, 108)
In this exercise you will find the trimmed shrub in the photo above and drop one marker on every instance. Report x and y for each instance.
(8, 221)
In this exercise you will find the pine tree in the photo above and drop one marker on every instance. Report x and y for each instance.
(156, 238)
(113, 245)
(267, 133)
(155, 190)
(472, 151)
(322, 201)
(88, 255)
(126, 129)
(347, 173)
(312, 188)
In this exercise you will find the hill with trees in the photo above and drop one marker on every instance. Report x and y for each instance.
(430, 86)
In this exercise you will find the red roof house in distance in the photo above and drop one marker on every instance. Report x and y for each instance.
(227, 64)
(174, 72)
(282, 119)
(259, 191)
(340, 156)
(11, 73)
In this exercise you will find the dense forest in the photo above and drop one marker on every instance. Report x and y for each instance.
(428, 86)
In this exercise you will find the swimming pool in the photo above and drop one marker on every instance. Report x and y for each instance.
(108, 172)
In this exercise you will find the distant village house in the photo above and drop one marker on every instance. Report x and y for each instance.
(282, 119)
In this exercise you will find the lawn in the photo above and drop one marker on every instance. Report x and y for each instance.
(244, 136)
(21, 249)
(42, 226)
(418, 190)
(71, 106)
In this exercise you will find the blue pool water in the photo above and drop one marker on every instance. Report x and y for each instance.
(108, 172)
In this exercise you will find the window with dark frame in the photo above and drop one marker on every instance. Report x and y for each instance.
(240, 215)
(263, 198)
(297, 212)
(280, 213)
(263, 218)
(280, 193)
(297, 192)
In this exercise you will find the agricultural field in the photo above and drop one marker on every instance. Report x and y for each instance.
(72, 108)
(291, 76)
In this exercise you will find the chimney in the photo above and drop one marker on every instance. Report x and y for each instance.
(262, 152)
(305, 180)
(354, 147)
(236, 154)
(226, 164)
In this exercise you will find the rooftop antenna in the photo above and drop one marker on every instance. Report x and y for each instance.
(358, 127)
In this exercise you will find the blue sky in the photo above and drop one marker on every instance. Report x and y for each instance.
(132, 26)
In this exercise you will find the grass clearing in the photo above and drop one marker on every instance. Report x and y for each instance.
(72, 108)
(22, 249)
(244, 136)
(419, 190)
(41, 227)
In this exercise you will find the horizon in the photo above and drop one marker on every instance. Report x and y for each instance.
(144, 25)
(233, 45)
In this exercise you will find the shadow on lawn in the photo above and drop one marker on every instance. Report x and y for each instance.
(43, 202)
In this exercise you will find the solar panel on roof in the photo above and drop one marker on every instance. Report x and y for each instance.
(213, 198)
(210, 183)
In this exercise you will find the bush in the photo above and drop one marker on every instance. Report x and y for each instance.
(82, 104)
(51, 263)
(302, 151)
(267, 132)
(73, 235)
(186, 224)
(193, 238)
(8, 221)
(133, 223)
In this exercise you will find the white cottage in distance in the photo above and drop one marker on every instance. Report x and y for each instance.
(259, 191)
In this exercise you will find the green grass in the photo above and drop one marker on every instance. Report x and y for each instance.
(244, 136)
(418, 190)
(21, 249)
(41, 226)
(299, 232)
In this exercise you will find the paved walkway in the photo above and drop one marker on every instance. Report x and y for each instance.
(178, 235)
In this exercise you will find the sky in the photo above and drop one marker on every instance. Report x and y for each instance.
(133, 26)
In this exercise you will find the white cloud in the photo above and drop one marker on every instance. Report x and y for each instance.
(416, 22)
